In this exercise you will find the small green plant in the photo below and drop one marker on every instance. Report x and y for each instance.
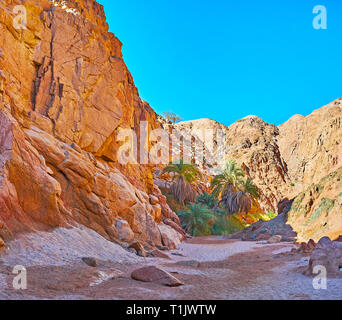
(197, 219)
(225, 224)
(207, 199)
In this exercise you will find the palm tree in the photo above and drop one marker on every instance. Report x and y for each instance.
(184, 176)
(236, 202)
(197, 219)
(250, 188)
(237, 193)
(207, 199)
(231, 177)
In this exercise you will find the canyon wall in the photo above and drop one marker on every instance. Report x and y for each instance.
(301, 160)
(312, 149)
(312, 145)
(65, 93)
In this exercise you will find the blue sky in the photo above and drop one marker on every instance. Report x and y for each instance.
(225, 59)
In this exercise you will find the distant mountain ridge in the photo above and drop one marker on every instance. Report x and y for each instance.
(301, 160)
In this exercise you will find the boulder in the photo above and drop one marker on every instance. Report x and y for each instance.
(176, 227)
(160, 254)
(274, 239)
(307, 247)
(138, 247)
(124, 230)
(170, 237)
(328, 254)
(155, 275)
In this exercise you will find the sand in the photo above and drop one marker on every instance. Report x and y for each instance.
(228, 270)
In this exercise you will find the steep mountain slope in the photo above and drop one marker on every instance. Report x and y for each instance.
(312, 145)
(65, 94)
(300, 160)
(253, 144)
(317, 211)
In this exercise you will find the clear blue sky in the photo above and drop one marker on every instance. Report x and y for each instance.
(225, 59)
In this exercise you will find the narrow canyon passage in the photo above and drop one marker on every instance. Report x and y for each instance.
(209, 267)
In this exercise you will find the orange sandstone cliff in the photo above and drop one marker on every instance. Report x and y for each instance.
(65, 92)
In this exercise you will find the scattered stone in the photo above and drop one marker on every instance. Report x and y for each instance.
(138, 247)
(160, 254)
(177, 254)
(274, 239)
(307, 247)
(91, 262)
(190, 263)
(155, 275)
(328, 254)
(132, 250)
(170, 237)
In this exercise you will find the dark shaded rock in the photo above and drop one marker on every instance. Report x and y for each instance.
(264, 230)
(284, 206)
(138, 247)
(163, 248)
(328, 254)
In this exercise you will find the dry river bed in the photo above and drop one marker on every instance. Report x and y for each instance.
(223, 269)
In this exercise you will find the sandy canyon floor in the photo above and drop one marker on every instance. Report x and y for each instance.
(219, 269)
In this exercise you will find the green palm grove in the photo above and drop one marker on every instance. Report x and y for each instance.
(215, 212)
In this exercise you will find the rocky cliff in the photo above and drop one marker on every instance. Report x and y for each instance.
(312, 145)
(300, 160)
(253, 144)
(316, 212)
(65, 93)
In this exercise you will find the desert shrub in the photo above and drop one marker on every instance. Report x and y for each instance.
(197, 219)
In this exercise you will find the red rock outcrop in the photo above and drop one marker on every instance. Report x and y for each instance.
(65, 94)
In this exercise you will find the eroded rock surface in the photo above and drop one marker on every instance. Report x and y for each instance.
(65, 95)
(317, 211)
(253, 144)
(311, 145)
